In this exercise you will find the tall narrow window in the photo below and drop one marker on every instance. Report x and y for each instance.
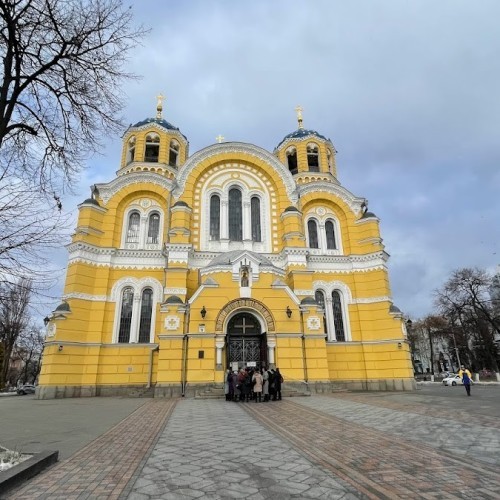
(313, 158)
(154, 228)
(312, 229)
(235, 215)
(173, 155)
(330, 235)
(214, 217)
(320, 299)
(133, 228)
(338, 318)
(131, 150)
(255, 210)
(291, 156)
(146, 312)
(152, 151)
(126, 315)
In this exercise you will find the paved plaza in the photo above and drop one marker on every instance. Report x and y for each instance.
(432, 443)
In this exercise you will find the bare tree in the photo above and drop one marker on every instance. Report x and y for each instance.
(14, 319)
(62, 65)
(465, 300)
(29, 347)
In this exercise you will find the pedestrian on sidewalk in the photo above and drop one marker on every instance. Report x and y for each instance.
(278, 380)
(466, 378)
(257, 385)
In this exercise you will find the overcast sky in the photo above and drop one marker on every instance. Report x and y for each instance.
(408, 92)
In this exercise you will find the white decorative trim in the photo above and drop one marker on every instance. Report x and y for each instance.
(252, 183)
(160, 128)
(313, 323)
(309, 293)
(138, 285)
(85, 296)
(110, 189)
(371, 300)
(235, 148)
(345, 298)
(111, 257)
(321, 216)
(172, 322)
(330, 286)
(353, 202)
(307, 137)
(175, 291)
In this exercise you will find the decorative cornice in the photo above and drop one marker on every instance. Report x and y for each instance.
(152, 124)
(308, 137)
(108, 190)
(85, 296)
(353, 202)
(235, 148)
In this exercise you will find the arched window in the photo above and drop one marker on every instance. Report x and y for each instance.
(152, 150)
(235, 215)
(146, 312)
(126, 315)
(131, 150)
(313, 158)
(173, 155)
(291, 156)
(134, 221)
(312, 229)
(255, 214)
(338, 317)
(154, 228)
(320, 299)
(330, 235)
(215, 217)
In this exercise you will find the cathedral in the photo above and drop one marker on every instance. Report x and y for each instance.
(186, 265)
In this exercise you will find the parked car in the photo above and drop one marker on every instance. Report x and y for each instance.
(452, 379)
(26, 389)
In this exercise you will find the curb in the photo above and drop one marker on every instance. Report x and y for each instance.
(20, 473)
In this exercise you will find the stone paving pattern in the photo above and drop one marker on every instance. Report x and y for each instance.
(343, 445)
(102, 468)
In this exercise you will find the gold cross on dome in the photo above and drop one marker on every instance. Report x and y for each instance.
(299, 110)
(220, 138)
(159, 105)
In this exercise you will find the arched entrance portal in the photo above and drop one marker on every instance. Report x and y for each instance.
(246, 343)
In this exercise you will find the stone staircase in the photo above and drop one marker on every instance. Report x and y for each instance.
(217, 392)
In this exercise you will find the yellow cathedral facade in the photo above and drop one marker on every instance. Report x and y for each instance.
(184, 266)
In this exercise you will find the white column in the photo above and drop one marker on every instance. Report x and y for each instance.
(247, 224)
(322, 236)
(143, 231)
(219, 345)
(136, 318)
(224, 223)
(330, 325)
(271, 345)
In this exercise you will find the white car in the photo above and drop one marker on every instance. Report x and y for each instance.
(452, 379)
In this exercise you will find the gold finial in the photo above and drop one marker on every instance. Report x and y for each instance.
(220, 138)
(299, 110)
(159, 106)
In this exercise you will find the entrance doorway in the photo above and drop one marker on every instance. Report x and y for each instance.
(246, 344)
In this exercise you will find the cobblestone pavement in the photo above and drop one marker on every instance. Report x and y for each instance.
(345, 445)
(102, 468)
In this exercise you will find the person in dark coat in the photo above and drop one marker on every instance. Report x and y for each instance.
(272, 386)
(230, 385)
(278, 380)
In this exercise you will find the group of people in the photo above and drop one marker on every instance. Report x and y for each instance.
(253, 384)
